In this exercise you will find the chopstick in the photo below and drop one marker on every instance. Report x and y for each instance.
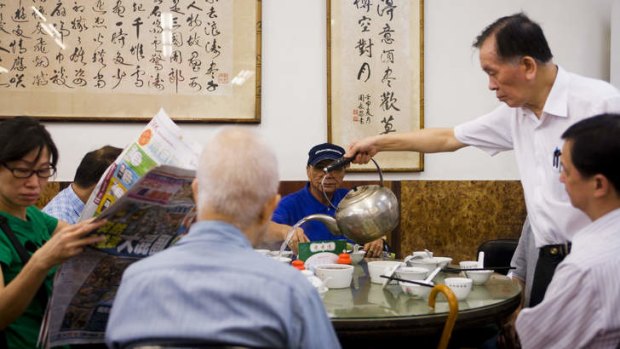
(458, 270)
(405, 280)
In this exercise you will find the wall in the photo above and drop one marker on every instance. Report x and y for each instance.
(294, 81)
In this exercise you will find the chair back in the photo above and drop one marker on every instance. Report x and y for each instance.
(498, 253)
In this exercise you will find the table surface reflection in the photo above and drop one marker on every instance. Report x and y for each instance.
(366, 306)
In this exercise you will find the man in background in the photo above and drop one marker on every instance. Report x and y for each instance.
(212, 287)
(321, 194)
(580, 308)
(69, 203)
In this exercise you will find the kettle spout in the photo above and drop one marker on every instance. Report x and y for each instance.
(329, 221)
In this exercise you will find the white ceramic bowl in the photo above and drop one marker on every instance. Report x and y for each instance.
(283, 254)
(377, 268)
(468, 264)
(443, 261)
(286, 260)
(412, 273)
(460, 286)
(414, 290)
(358, 256)
(427, 263)
(335, 275)
(479, 277)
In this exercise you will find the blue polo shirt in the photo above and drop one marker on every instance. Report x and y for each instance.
(295, 206)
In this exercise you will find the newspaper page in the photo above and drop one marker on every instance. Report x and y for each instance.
(161, 142)
(151, 216)
(146, 197)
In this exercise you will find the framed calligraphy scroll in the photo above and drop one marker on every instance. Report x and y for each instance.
(115, 60)
(375, 74)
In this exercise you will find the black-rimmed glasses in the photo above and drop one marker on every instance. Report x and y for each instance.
(20, 172)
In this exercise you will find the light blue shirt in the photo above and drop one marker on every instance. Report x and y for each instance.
(212, 285)
(66, 206)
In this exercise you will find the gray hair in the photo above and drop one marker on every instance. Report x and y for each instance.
(237, 174)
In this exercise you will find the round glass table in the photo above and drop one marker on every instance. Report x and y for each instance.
(367, 310)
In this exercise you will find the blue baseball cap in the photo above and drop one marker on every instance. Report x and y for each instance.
(325, 151)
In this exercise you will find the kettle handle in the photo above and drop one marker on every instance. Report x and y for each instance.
(347, 160)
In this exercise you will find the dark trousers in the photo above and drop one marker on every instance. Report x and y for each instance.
(549, 257)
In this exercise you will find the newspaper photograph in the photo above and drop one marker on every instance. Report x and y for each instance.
(146, 199)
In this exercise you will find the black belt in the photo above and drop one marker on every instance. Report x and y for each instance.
(556, 250)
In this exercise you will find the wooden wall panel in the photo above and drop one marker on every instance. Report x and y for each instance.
(451, 218)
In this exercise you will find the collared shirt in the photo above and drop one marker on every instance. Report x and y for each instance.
(66, 206)
(293, 207)
(535, 141)
(212, 285)
(580, 308)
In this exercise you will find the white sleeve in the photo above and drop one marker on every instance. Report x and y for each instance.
(491, 132)
(570, 312)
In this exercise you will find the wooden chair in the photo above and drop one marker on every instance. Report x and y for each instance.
(453, 305)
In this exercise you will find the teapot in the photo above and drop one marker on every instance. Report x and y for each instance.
(366, 213)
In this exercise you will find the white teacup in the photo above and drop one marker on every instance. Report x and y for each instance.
(460, 286)
(335, 275)
(468, 264)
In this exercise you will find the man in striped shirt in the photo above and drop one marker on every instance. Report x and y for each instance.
(581, 306)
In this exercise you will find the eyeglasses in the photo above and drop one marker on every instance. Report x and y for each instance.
(28, 172)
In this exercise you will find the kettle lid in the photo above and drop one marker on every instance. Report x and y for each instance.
(360, 193)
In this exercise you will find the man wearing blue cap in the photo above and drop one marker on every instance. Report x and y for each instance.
(315, 197)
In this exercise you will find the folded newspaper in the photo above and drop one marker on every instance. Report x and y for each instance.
(146, 198)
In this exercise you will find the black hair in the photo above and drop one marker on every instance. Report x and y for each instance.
(517, 36)
(94, 164)
(21, 135)
(596, 147)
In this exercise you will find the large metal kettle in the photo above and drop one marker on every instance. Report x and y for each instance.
(365, 214)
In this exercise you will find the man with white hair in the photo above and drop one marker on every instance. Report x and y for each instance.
(212, 287)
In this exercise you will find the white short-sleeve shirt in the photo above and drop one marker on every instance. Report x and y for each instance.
(534, 141)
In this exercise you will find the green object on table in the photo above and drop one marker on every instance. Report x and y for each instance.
(307, 249)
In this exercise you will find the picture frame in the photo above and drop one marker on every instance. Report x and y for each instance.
(375, 79)
(124, 61)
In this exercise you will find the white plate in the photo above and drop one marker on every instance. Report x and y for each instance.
(320, 258)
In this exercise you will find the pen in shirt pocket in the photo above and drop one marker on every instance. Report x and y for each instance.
(556, 159)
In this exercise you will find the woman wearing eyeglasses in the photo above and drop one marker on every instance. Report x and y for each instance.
(32, 243)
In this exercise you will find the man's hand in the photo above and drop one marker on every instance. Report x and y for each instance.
(374, 248)
(362, 150)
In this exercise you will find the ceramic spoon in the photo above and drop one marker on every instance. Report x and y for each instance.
(432, 275)
(481, 259)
